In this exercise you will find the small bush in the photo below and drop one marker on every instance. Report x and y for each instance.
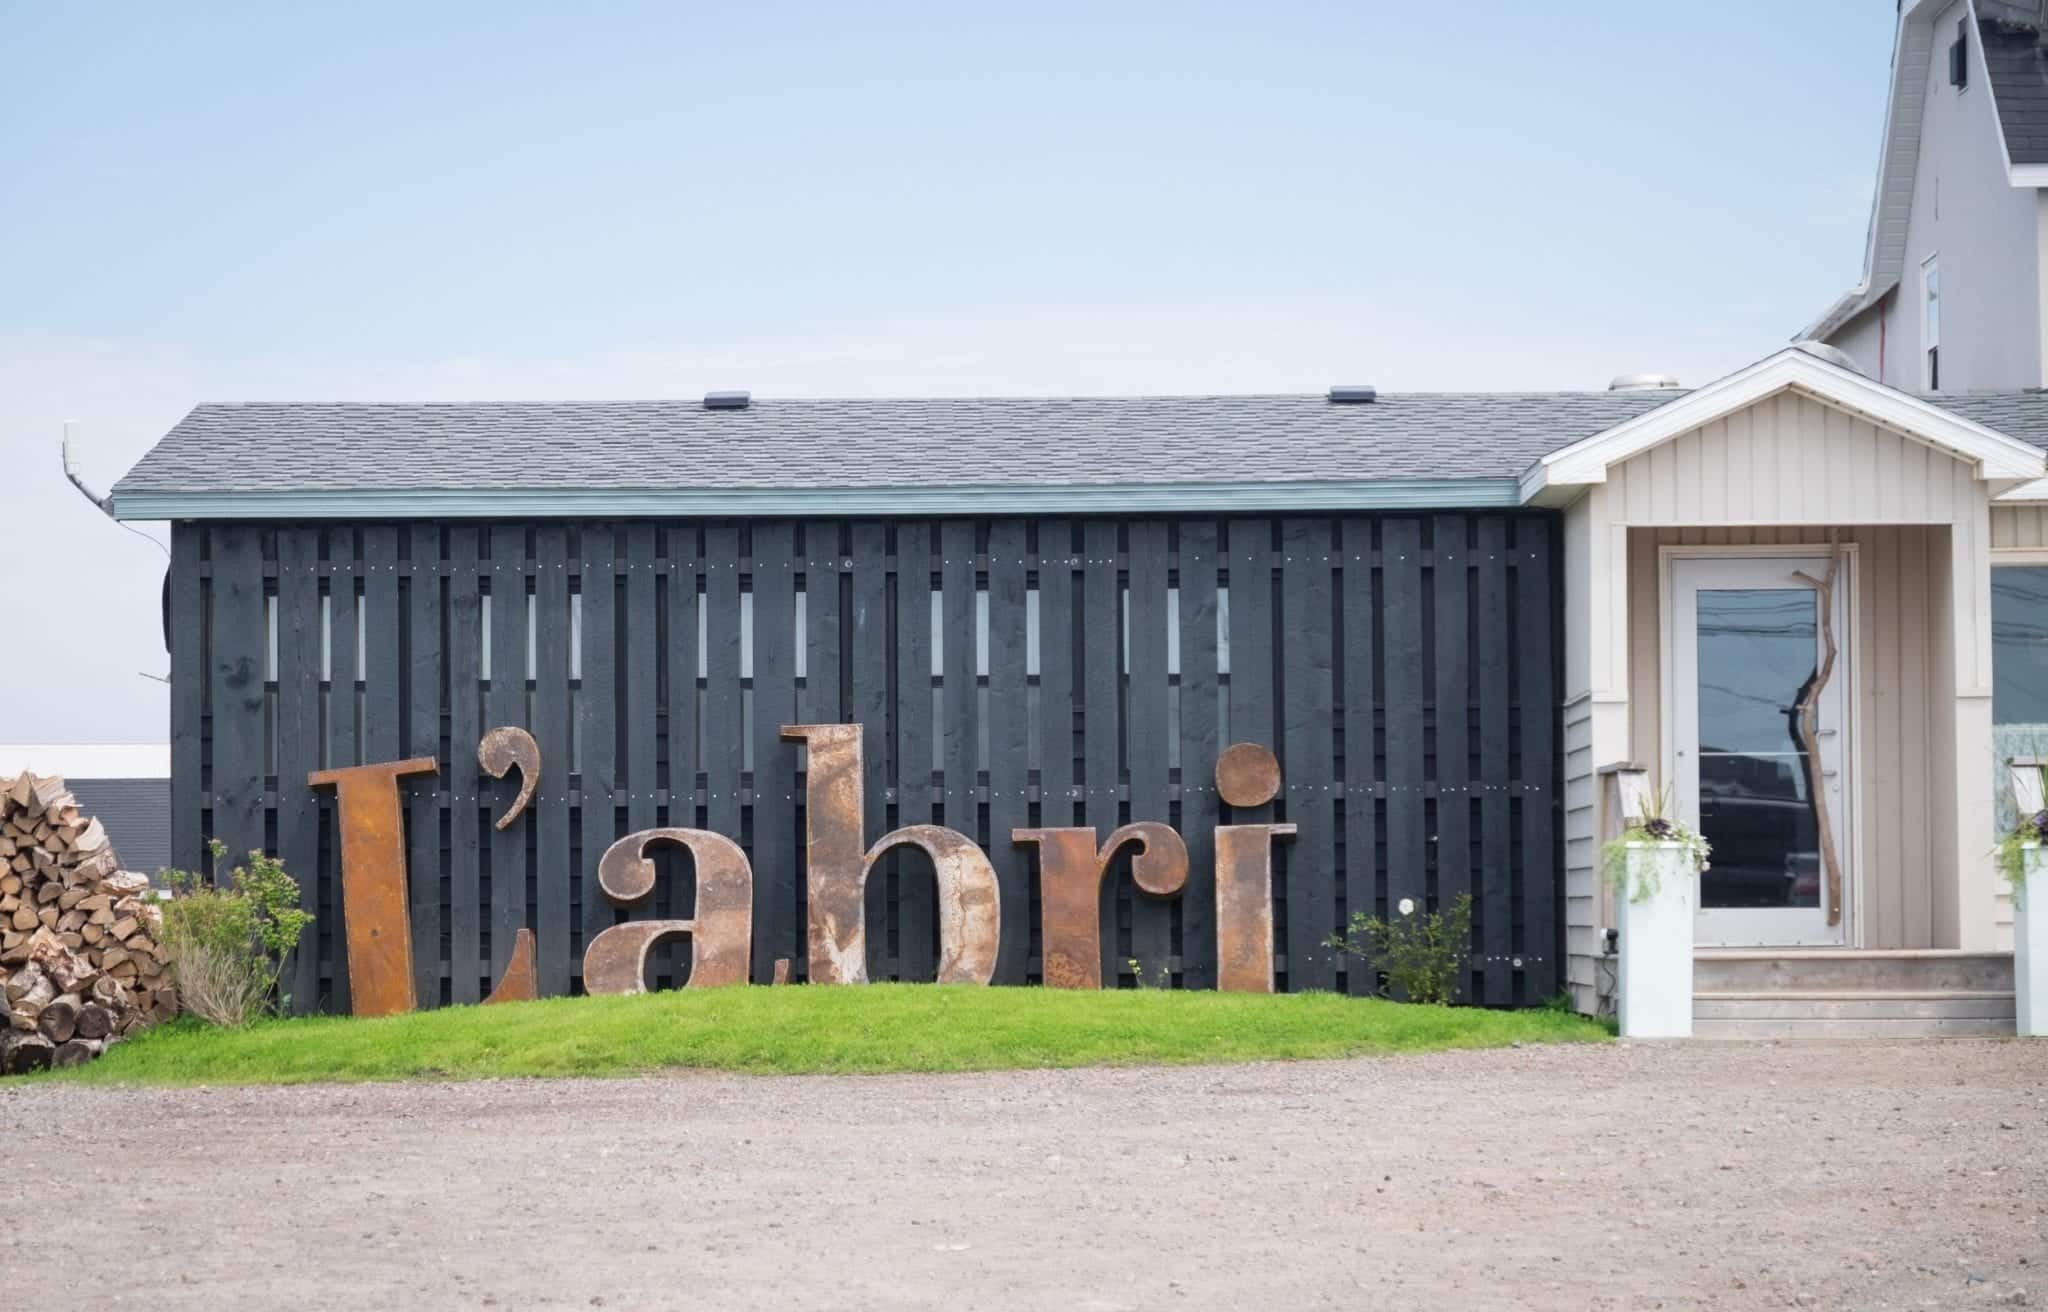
(229, 937)
(1423, 957)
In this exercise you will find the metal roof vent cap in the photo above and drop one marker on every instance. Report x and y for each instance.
(1644, 383)
(727, 400)
(1353, 394)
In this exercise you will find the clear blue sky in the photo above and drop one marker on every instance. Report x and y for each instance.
(220, 202)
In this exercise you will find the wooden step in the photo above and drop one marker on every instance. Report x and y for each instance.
(1828, 1006)
(1844, 970)
(1855, 1028)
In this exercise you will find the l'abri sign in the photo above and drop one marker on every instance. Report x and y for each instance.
(838, 862)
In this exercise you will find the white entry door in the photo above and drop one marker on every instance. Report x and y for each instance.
(1745, 647)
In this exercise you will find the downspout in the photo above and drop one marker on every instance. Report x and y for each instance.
(105, 503)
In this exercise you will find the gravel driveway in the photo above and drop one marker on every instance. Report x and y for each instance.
(1723, 1175)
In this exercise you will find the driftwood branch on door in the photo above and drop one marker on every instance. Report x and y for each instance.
(1809, 732)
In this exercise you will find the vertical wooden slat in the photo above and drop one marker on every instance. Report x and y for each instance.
(1539, 881)
(382, 712)
(724, 724)
(1360, 694)
(869, 641)
(1251, 648)
(819, 699)
(915, 893)
(683, 673)
(505, 706)
(638, 720)
(1009, 731)
(1149, 715)
(1452, 572)
(1308, 765)
(298, 742)
(465, 832)
(1058, 692)
(1407, 839)
(427, 796)
(342, 746)
(1199, 807)
(554, 730)
(190, 673)
(959, 729)
(773, 570)
(597, 705)
(1101, 729)
(1493, 898)
(237, 661)
(381, 627)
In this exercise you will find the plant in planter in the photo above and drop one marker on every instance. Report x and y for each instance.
(1654, 866)
(2020, 849)
(2030, 832)
(1640, 880)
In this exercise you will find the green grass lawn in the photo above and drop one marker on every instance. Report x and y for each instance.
(877, 1029)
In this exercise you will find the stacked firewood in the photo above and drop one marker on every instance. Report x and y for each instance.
(81, 960)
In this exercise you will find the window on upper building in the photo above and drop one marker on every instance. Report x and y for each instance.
(1930, 325)
(1959, 56)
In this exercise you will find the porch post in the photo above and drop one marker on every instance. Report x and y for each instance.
(1965, 906)
(1596, 730)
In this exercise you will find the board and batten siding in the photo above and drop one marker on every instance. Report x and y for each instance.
(1009, 672)
(1788, 470)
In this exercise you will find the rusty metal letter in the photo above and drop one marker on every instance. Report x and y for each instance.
(833, 826)
(498, 752)
(1247, 774)
(519, 983)
(1071, 871)
(721, 934)
(970, 913)
(1244, 906)
(373, 898)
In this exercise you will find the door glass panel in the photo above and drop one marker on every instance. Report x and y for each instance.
(1758, 651)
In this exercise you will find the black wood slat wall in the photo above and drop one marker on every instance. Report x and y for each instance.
(1010, 672)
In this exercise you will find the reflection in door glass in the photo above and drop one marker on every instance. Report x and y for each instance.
(1758, 650)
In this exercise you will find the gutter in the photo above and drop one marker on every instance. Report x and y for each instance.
(822, 502)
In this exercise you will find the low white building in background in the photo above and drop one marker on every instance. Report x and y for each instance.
(126, 786)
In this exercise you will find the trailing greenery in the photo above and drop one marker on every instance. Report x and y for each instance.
(872, 1029)
(2031, 831)
(228, 936)
(1655, 825)
(1423, 957)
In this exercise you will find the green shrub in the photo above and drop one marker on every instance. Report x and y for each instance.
(1423, 957)
(229, 936)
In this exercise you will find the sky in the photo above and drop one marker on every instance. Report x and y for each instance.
(224, 202)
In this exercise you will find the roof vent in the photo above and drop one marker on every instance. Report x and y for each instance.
(1353, 394)
(727, 400)
(1644, 383)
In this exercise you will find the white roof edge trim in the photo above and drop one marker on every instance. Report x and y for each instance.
(1859, 297)
(1995, 455)
(2026, 175)
(2035, 490)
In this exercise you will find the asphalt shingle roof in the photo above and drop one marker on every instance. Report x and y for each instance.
(870, 443)
(933, 444)
(2017, 61)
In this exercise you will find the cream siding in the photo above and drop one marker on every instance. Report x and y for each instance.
(2019, 527)
(1784, 471)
